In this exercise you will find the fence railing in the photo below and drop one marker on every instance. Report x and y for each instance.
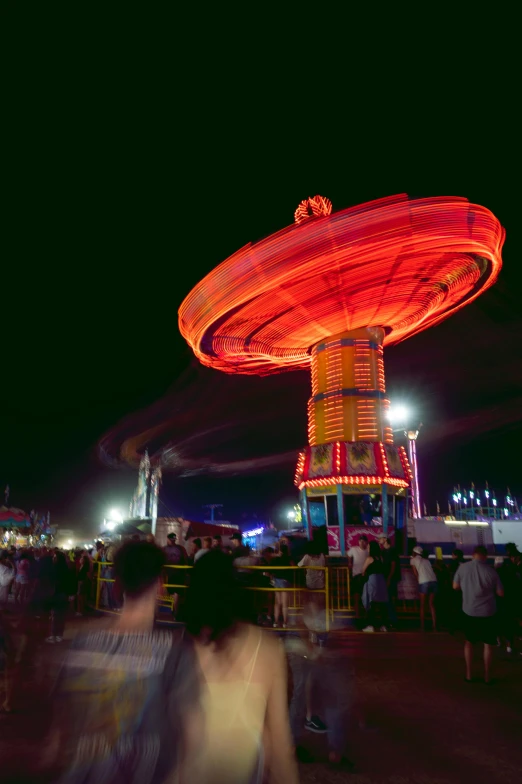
(106, 601)
(338, 599)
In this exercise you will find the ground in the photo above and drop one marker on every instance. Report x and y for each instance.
(414, 719)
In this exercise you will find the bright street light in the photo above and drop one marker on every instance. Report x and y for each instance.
(116, 516)
(398, 414)
(291, 514)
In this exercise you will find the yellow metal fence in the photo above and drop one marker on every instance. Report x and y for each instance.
(337, 589)
(176, 578)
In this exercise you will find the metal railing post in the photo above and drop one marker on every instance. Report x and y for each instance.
(327, 599)
(98, 588)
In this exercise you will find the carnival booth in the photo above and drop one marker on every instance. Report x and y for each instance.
(16, 525)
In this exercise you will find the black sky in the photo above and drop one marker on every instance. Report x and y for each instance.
(142, 151)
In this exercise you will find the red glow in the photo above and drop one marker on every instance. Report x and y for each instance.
(367, 481)
(396, 263)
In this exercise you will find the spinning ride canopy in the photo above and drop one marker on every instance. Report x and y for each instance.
(394, 263)
(332, 290)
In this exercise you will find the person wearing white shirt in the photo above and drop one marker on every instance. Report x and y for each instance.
(356, 559)
(207, 546)
(428, 585)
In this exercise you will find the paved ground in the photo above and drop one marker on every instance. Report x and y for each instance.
(414, 719)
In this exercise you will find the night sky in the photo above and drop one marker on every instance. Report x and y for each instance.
(140, 155)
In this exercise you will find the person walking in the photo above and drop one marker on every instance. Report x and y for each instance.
(84, 584)
(63, 583)
(392, 573)
(455, 601)
(375, 593)
(480, 586)
(244, 724)
(428, 585)
(127, 695)
(314, 612)
(510, 606)
(306, 697)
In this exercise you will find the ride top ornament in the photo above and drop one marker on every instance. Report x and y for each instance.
(313, 208)
(329, 293)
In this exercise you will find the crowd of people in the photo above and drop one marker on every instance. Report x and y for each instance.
(376, 574)
(219, 699)
(45, 580)
(275, 571)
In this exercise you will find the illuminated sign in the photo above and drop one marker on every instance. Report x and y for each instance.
(254, 532)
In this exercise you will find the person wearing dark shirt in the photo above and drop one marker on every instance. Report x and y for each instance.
(392, 573)
(457, 559)
(175, 553)
(239, 550)
(375, 594)
(128, 694)
(455, 597)
(84, 584)
(510, 606)
(63, 581)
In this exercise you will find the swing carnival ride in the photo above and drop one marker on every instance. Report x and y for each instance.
(330, 292)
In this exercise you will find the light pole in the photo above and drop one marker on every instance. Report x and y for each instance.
(294, 515)
(400, 416)
(412, 436)
(212, 508)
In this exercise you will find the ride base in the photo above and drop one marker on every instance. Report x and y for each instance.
(351, 450)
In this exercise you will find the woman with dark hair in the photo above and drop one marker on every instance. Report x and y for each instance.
(375, 592)
(244, 703)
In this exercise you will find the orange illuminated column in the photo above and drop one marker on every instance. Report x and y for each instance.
(349, 400)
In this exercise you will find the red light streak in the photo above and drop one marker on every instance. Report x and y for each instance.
(400, 264)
